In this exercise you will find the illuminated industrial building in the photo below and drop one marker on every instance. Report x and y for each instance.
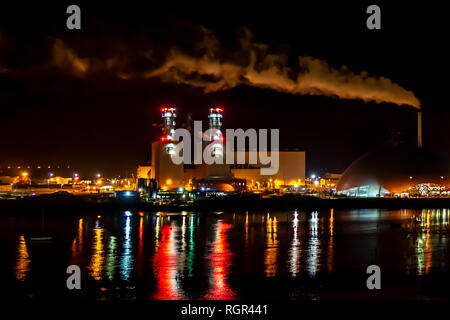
(217, 176)
(397, 171)
(291, 171)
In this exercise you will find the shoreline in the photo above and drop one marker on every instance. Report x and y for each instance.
(73, 205)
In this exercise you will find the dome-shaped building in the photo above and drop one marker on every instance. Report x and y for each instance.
(398, 171)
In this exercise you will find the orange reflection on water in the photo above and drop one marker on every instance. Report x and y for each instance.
(246, 229)
(220, 262)
(270, 260)
(330, 243)
(23, 260)
(98, 255)
(77, 245)
(165, 265)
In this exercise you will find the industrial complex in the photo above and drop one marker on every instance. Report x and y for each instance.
(398, 171)
(392, 170)
(218, 176)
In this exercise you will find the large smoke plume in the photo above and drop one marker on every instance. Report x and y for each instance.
(213, 68)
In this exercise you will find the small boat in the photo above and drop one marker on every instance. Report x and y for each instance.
(41, 239)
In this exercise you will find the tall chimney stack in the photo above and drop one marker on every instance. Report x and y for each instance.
(419, 129)
(215, 123)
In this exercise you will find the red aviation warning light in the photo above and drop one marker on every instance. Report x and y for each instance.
(215, 123)
(166, 138)
(215, 118)
(165, 110)
(168, 115)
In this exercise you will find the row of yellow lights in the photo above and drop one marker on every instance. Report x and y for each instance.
(38, 167)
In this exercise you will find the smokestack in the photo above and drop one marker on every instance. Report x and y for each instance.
(215, 123)
(419, 129)
(168, 115)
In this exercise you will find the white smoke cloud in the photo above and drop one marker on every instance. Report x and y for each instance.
(251, 65)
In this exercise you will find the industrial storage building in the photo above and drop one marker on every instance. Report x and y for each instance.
(291, 171)
(396, 171)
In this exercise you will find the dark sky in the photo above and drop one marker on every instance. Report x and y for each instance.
(96, 121)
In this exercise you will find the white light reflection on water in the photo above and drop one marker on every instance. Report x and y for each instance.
(126, 261)
(295, 250)
(314, 245)
(111, 257)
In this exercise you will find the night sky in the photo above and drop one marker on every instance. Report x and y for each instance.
(81, 97)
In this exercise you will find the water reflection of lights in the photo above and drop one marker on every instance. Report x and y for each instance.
(182, 260)
(139, 260)
(314, 245)
(246, 229)
(427, 240)
(423, 248)
(191, 255)
(98, 258)
(220, 262)
(294, 251)
(77, 245)
(165, 265)
(331, 242)
(23, 260)
(157, 229)
(111, 257)
(126, 261)
(271, 254)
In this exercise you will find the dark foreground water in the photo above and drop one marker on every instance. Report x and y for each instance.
(228, 255)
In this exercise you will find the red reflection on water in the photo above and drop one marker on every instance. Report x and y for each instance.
(139, 262)
(220, 263)
(165, 266)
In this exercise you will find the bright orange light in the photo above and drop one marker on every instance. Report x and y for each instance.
(166, 138)
(168, 181)
(25, 174)
(141, 213)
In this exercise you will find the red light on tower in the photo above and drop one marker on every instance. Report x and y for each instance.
(166, 138)
(215, 123)
(168, 115)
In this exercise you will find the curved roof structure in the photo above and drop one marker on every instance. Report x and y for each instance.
(396, 170)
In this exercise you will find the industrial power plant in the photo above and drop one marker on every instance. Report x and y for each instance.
(216, 177)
